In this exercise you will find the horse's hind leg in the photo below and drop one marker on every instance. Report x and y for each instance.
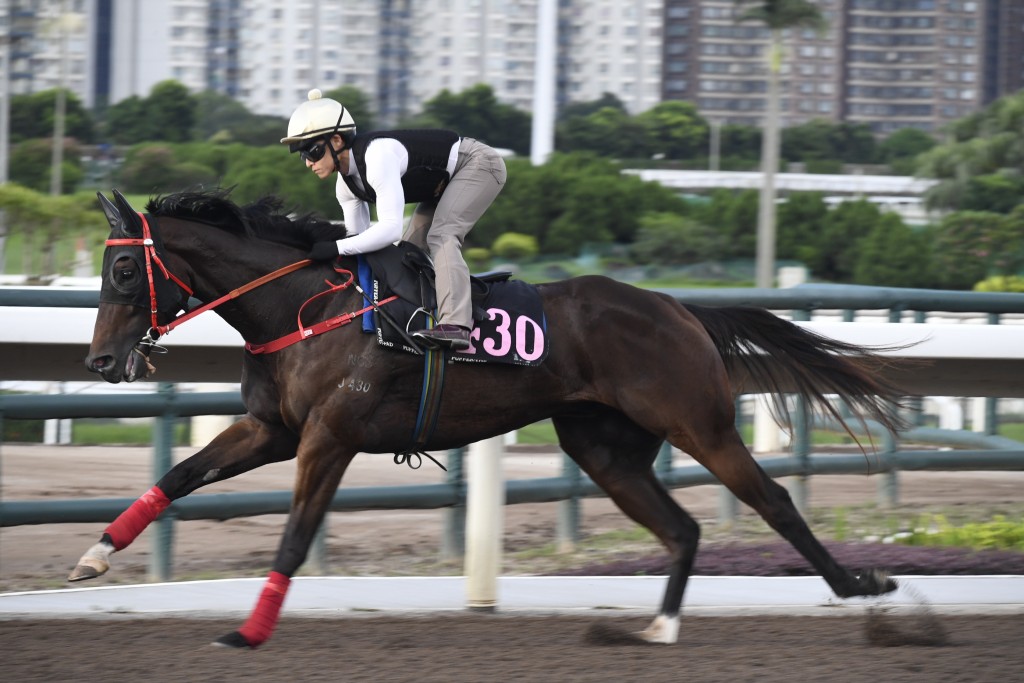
(618, 454)
(723, 453)
(243, 446)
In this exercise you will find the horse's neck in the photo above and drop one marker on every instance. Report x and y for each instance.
(222, 263)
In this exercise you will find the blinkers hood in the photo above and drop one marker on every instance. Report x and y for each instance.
(126, 223)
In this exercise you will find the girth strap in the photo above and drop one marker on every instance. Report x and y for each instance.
(430, 408)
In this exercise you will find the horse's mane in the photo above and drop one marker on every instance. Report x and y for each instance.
(264, 219)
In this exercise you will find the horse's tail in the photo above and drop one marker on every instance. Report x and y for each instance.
(780, 357)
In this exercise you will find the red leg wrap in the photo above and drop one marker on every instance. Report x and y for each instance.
(137, 517)
(261, 622)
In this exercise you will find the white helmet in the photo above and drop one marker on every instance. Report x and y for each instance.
(316, 118)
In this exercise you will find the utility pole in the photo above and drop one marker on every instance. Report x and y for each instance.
(765, 268)
(5, 132)
(542, 138)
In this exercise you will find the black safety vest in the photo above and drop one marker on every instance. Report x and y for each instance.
(427, 173)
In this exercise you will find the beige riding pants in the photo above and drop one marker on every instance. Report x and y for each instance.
(441, 227)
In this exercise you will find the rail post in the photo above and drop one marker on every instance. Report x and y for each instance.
(567, 526)
(162, 558)
(453, 542)
(484, 527)
(889, 482)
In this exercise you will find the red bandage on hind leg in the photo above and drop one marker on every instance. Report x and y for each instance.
(261, 622)
(130, 523)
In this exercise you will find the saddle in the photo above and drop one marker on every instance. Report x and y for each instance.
(508, 315)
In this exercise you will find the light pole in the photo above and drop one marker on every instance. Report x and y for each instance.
(542, 136)
(765, 269)
(5, 135)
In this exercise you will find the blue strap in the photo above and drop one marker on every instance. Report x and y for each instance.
(366, 282)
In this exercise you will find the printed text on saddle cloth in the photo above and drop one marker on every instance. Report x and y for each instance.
(515, 337)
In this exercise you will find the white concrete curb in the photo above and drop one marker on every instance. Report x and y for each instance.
(331, 596)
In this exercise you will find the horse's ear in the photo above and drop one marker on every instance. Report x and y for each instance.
(130, 219)
(110, 211)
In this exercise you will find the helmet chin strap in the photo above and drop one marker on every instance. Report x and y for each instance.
(336, 152)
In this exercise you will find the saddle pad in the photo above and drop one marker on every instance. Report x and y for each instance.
(513, 331)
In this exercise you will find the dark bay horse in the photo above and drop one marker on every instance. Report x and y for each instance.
(627, 370)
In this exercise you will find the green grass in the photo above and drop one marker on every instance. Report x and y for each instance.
(1012, 430)
(999, 533)
(542, 432)
(86, 432)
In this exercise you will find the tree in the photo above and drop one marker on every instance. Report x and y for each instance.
(819, 140)
(845, 226)
(893, 255)
(671, 239)
(986, 143)
(476, 113)
(675, 129)
(801, 218)
(170, 112)
(901, 149)
(218, 113)
(584, 109)
(734, 216)
(967, 247)
(32, 117)
(30, 165)
(999, 192)
(607, 131)
(126, 121)
(777, 16)
(358, 104)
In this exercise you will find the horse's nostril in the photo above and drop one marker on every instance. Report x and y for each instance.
(99, 363)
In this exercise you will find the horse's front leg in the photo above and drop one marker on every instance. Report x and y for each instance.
(243, 446)
(322, 462)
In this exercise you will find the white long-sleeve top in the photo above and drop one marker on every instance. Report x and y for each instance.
(386, 160)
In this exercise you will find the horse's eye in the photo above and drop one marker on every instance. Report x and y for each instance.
(125, 275)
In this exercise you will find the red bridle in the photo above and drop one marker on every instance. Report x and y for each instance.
(149, 249)
(304, 332)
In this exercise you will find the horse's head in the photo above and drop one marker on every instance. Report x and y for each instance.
(137, 295)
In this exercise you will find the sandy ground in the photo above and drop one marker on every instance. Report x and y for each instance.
(403, 542)
(458, 647)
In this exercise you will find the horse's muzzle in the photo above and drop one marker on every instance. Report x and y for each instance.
(136, 366)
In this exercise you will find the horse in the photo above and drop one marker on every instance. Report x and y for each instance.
(627, 370)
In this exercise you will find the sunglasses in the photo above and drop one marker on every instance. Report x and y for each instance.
(314, 152)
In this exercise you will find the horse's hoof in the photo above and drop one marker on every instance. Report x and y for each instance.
(83, 572)
(94, 563)
(878, 582)
(664, 630)
(234, 639)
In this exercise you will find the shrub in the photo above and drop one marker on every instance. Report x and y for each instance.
(515, 246)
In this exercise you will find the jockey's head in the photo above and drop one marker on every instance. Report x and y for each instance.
(314, 123)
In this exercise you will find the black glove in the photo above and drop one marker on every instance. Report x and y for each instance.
(323, 251)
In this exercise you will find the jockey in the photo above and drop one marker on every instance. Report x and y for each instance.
(453, 179)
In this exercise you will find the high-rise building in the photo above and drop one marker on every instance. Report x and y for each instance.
(612, 46)
(288, 47)
(47, 46)
(888, 63)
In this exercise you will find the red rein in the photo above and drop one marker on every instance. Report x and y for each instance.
(303, 332)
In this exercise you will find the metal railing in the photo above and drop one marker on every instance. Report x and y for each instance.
(167, 405)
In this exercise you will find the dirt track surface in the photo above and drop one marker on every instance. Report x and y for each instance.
(464, 647)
